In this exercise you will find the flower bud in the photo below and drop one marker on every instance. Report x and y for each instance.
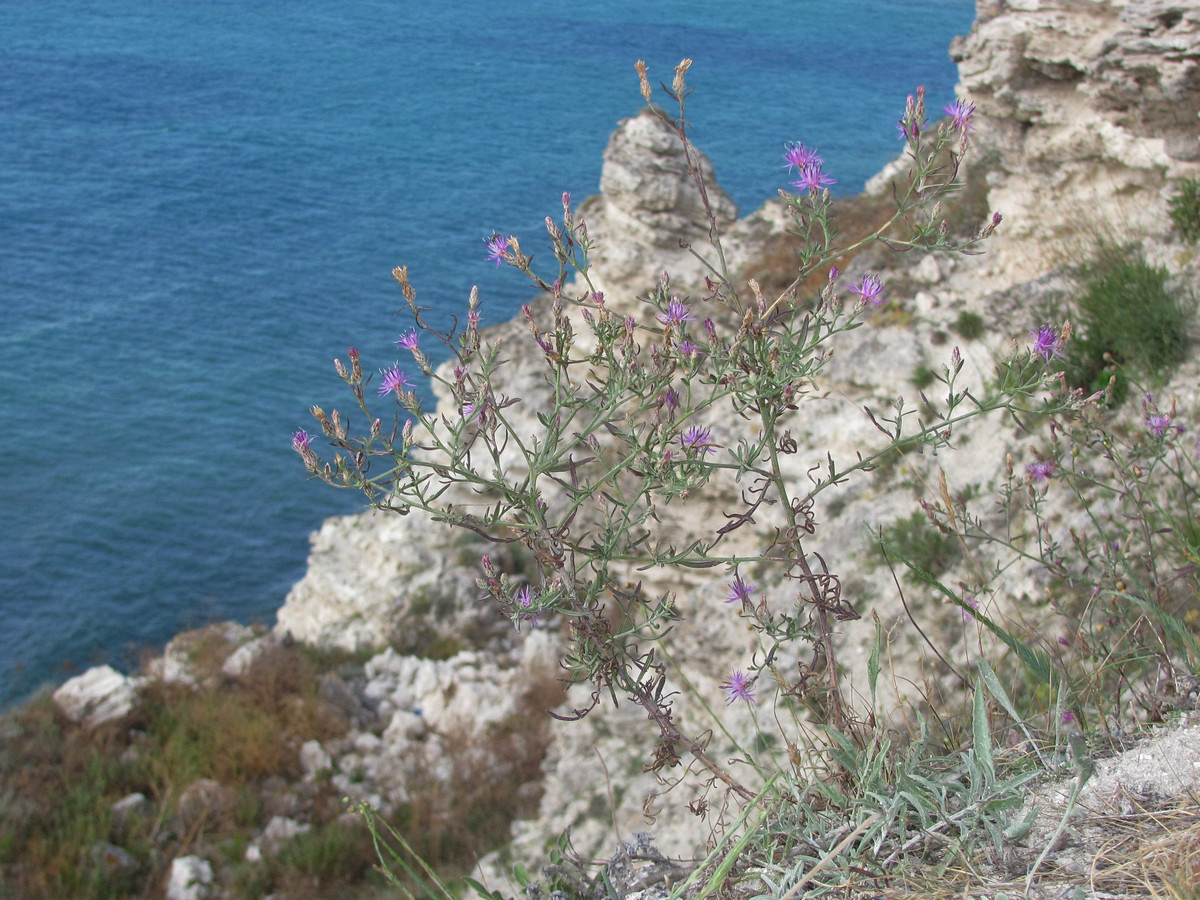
(341, 369)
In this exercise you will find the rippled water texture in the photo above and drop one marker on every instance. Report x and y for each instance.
(202, 203)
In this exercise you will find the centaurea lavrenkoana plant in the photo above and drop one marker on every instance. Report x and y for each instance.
(628, 429)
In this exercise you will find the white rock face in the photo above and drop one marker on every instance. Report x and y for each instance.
(99, 695)
(369, 575)
(279, 831)
(191, 879)
(1089, 114)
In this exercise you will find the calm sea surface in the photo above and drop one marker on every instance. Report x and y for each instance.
(201, 205)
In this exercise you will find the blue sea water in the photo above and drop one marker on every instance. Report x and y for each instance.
(201, 205)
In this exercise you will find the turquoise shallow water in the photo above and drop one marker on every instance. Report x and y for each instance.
(203, 202)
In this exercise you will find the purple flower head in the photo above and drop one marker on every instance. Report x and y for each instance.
(300, 441)
(870, 290)
(739, 591)
(1158, 423)
(812, 178)
(475, 408)
(800, 157)
(738, 687)
(1068, 717)
(1047, 343)
(1041, 470)
(969, 613)
(960, 112)
(687, 349)
(497, 246)
(408, 340)
(697, 439)
(523, 601)
(394, 381)
(669, 400)
(677, 313)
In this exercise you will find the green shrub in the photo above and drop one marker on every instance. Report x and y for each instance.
(969, 325)
(1185, 209)
(921, 544)
(1128, 315)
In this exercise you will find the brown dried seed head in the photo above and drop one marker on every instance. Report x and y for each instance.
(640, 65)
(680, 70)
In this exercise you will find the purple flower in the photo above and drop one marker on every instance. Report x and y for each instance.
(1158, 423)
(408, 340)
(1047, 343)
(677, 313)
(1040, 470)
(739, 591)
(812, 178)
(738, 687)
(800, 157)
(968, 613)
(960, 112)
(669, 400)
(870, 290)
(687, 349)
(497, 246)
(523, 600)
(300, 442)
(697, 439)
(394, 381)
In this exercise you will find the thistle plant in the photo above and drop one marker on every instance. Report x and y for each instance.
(1106, 512)
(631, 432)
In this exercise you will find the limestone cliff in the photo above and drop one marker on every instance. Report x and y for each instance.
(1089, 114)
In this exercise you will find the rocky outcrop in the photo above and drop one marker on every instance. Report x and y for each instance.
(649, 212)
(1087, 116)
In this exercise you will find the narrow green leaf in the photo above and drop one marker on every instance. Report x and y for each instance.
(1018, 830)
(982, 734)
(1037, 661)
(873, 659)
(996, 689)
